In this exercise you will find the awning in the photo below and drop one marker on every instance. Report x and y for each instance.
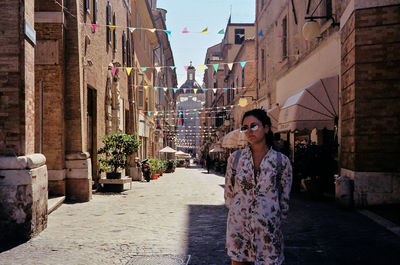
(273, 114)
(182, 154)
(314, 106)
(234, 139)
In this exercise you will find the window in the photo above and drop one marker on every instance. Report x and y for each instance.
(284, 38)
(263, 64)
(108, 22)
(140, 83)
(190, 76)
(115, 32)
(262, 4)
(87, 6)
(94, 11)
(239, 36)
(123, 48)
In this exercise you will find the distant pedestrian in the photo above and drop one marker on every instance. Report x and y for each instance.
(257, 186)
(208, 161)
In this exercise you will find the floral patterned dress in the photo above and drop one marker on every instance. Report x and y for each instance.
(255, 211)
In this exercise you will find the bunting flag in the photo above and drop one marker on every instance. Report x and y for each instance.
(111, 27)
(230, 65)
(184, 90)
(149, 113)
(152, 30)
(94, 27)
(175, 89)
(243, 64)
(225, 88)
(172, 67)
(165, 88)
(131, 29)
(222, 31)
(215, 90)
(195, 90)
(114, 69)
(205, 89)
(144, 69)
(255, 61)
(279, 35)
(186, 67)
(146, 87)
(158, 69)
(168, 32)
(128, 70)
(201, 67)
(260, 33)
(204, 30)
(135, 86)
(185, 30)
(216, 67)
(155, 88)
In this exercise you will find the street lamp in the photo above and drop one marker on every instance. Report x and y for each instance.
(312, 29)
(243, 102)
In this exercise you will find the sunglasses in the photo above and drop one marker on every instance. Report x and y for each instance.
(245, 128)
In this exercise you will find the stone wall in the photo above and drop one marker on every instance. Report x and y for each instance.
(23, 197)
(370, 93)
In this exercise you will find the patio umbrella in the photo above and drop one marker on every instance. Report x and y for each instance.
(217, 149)
(167, 150)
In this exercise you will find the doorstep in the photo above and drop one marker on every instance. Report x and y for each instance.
(53, 203)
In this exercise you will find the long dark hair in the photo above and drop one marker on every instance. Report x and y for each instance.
(262, 116)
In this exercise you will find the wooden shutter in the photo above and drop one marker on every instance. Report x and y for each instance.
(108, 22)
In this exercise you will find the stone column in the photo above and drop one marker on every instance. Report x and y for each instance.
(79, 177)
(23, 175)
(23, 196)
(370, 142)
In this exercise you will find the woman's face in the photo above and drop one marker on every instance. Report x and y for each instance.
(254, 130)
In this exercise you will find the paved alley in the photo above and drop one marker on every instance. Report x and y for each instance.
(182, 215)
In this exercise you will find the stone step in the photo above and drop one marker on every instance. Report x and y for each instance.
(54, 203)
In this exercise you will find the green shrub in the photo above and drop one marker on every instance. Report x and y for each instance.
(116, 149)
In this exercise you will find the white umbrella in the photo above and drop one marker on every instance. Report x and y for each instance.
(182, 154)
(217, 149)
(167, 150)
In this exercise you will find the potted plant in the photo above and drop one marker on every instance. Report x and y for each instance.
(155, 166)
(170, 166)
(113, 156)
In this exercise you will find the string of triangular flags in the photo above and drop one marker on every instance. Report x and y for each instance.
(202, 67)
(185, 30)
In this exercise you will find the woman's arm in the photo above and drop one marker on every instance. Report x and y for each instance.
(228, 192)
(286, 182)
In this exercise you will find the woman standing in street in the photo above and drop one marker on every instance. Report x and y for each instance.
(257, 187)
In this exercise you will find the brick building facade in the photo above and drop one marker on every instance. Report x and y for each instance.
(63, 86)
(355, 44)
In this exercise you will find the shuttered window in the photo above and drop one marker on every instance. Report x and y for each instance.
(140, 91)
(115, 32)
(94, 11)
(108, 22)
(123, 48)
(87, 6)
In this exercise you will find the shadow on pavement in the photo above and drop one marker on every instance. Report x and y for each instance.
(207, 228)
(317, 232)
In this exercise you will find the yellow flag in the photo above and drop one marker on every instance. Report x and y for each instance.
(195, 90)
(204, 30)
(145, 87)
(112, 27)
(201, 67)
(128, 70)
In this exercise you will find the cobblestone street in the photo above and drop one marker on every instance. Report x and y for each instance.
(182, 215)
(179, 214)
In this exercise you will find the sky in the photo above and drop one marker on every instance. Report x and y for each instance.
(197, 15)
